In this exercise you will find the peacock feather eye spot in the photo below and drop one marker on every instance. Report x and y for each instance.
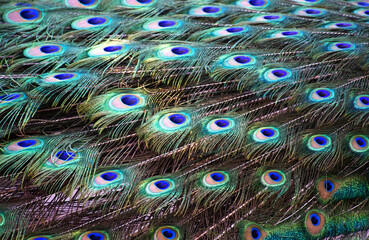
(162, 185)
(234, 29)
(255, 233)
(177, 118)
(271, 17)
(320, 140)
(290, 33)
(9, 97)
(49, 49)
(95, 236)
(343, 45)
(267, 132)
(109, 176)
(64, 76)
(361, 102)
(313, 11)
(130, 100)
(180, 50)
(222, 123)
(279, 73)
(211, 9)
(96, 20)
(29, 14)
(166, 23)
(112, 48)
(343, 25)
(323, 93)
(364, 4)
(27, 143)
(65, 155)
(364, 100)
(257, 2)
(315, 219)
(168, 233)
(217, 177)
(242, 59)
(328, 185)
(314, 222)
(275, 176)
(359, 143)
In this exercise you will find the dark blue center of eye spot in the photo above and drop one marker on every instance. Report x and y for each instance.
(343, 25)
(211, 9)
(257, 2)
(23, 4)
(255, 233)
(144, 1)
(222, 123)
(87, 2)
(130, 100)
(279, 73)
(276, 177)
(64, 76)
(29, 14)
(323, 93)
(65, 156)
(95, 236)
(177, 118)
(9, 97)
(364, 4)
(166, 23)
(343, 45)
(112, 48)
(168, 233)
(366, 12)
(328, 185)
(40, 238)
(267, 132)
(218, 177)
(360, 141)
(289, 33)
(109, 176)
(271, 17)
(26, 143)
(242, 59)
(234, 29)
(162, 185)
(313, 11)
(364, 100)
(315, 219)
(320, 140)
(96, 20)
(49, 49)
(310, 0)
(180, 50)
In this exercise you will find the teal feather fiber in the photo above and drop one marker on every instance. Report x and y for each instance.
(184, 119)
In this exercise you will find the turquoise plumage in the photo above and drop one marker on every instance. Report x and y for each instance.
(184, 119)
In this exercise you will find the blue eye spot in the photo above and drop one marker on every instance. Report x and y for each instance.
(343, 45)
(29, 14)
(40, 238)
(343, 25)
(211, 9)
(65, 156)
(49, 48)
(267, 132)
(96, 21)
(95, 236)
(26, 143)
(289, 33)
(144, 1)
(112, 48)
(87, 2)
(328, 185)
(109, 176)
(279, 73)
(180, 50)
(64, 76)
(315, 219)
(364, 4)
(177, 118)
(168, 233)
(234, 29)
(130, 100)
(23, 4)
(364, 100)
(242, 59)
(257, 2)
(166, 23)
(275, 176)
(323, 93)
(360, 141)
(217, 177)
(271, 17)
(9, 97)
(162, 185)
(366, 12)
(312, 11)
(310, 0)
(255, 233)
(320, 140)
(222, 123)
